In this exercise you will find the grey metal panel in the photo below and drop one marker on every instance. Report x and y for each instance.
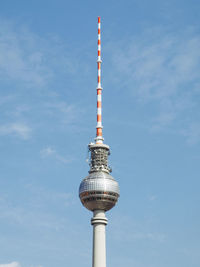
(99, 181)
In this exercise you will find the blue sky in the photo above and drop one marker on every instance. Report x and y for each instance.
(151, 118)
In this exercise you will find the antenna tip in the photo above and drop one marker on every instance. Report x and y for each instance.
(99, 19)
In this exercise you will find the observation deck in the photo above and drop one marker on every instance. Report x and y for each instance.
(99, 190)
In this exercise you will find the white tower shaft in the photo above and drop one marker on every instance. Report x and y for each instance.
(99, 223)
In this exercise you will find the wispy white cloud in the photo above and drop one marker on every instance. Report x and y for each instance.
(35, 213)
(17, 129)
(20, 57)
(152, 236)
(66, 113)
(50, 152)
(137, 235)
(19, 111)
(158, 64)
(46, 196)
(137, 230)
(26, 57)
(153, 197)
(12, 264)
(192, 133)
(161, 68)
(5, 99)
(29, 60)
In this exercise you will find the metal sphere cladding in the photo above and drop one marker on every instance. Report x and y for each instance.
(99, 190)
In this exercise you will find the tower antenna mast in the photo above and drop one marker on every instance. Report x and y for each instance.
(99, 134)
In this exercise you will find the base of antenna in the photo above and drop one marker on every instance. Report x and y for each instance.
(99, 140)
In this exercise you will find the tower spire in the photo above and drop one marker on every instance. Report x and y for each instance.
(99, 135)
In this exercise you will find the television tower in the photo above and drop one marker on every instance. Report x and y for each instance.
(99, 191)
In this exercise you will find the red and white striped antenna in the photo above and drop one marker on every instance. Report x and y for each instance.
(99, 136)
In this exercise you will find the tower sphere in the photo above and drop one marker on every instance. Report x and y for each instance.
(99, 191)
